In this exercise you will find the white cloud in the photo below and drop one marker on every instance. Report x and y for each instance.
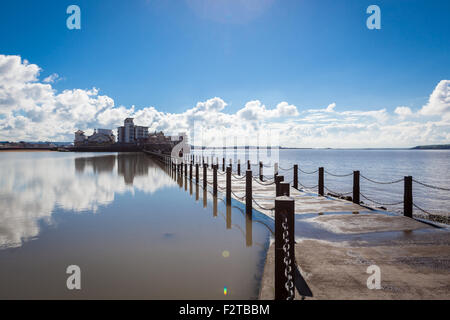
(51, 78)
(403, 112)
(439, 102)
(33, 110)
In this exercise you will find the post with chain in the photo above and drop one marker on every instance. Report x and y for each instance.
(321, 181)
(248, 192)
(239, 167)
(295, 176)
(284, 248)
(260, 171)
(205, 176)
(196, 173)
(215, 179)
(356, 188)
(228, 192)
(408, 198)
(223, 164)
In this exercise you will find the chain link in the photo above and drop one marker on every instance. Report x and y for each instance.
(306, 172)
(382, 204)
(338, 175)
(289, 285)
(338, 193)
(378, 182)
(430, 186)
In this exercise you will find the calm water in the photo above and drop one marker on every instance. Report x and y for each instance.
(133, 229)
(429, 166)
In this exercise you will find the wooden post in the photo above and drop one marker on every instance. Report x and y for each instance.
(205, 176)
(356, 190)
(239, 167)
(248, 192)
(295, 176)
(215, 180)
(185, 169)
(223, 164)
(182, 165)
(261, 171)
(321, 181)
(249, 167)
(408, 198)
(228, 192)
(196, 173)
(284, 208)
(190, 171)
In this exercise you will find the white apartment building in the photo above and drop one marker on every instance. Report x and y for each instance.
(129, 133)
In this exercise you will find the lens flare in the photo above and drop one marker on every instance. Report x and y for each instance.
(225, 290)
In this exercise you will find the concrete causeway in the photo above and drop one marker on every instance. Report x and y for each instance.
(337, 240)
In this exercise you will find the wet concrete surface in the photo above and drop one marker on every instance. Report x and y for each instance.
(337, 240)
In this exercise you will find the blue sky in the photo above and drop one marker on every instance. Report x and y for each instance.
(171, 54)
(309, 53)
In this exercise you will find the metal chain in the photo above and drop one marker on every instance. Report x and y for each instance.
(430, 186)
(289, 285)
(337, 193)
(377, 182)
(237, 177)
(382, 204)
(281, 168)
(240, 198)
(306, 172)
(338, 175)
(314, 187)
(263, 184)
(261, 207)
(415, 205)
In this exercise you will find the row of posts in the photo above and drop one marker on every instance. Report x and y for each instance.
(356, 192)
(284, 209)
(284, 206)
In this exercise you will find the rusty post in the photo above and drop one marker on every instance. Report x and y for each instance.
(284, 209)
(278, 180)
(260, 171)
(295, 176)
(196, 173)
(356, 190)
(283, 189)
(228, 192)
(215, 180)
(320, 185)
(205, 176)
(248, 192)
(408, 198)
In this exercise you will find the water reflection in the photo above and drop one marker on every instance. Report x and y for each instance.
(136, 245)
(31, 188)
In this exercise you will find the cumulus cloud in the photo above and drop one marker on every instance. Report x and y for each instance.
(403, 112)
(51, 78)
(439, 101)
(31, 109)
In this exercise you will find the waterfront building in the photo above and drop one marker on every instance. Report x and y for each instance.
(100, 137)
(130, 133)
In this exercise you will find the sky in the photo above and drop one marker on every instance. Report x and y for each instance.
(311, 71)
